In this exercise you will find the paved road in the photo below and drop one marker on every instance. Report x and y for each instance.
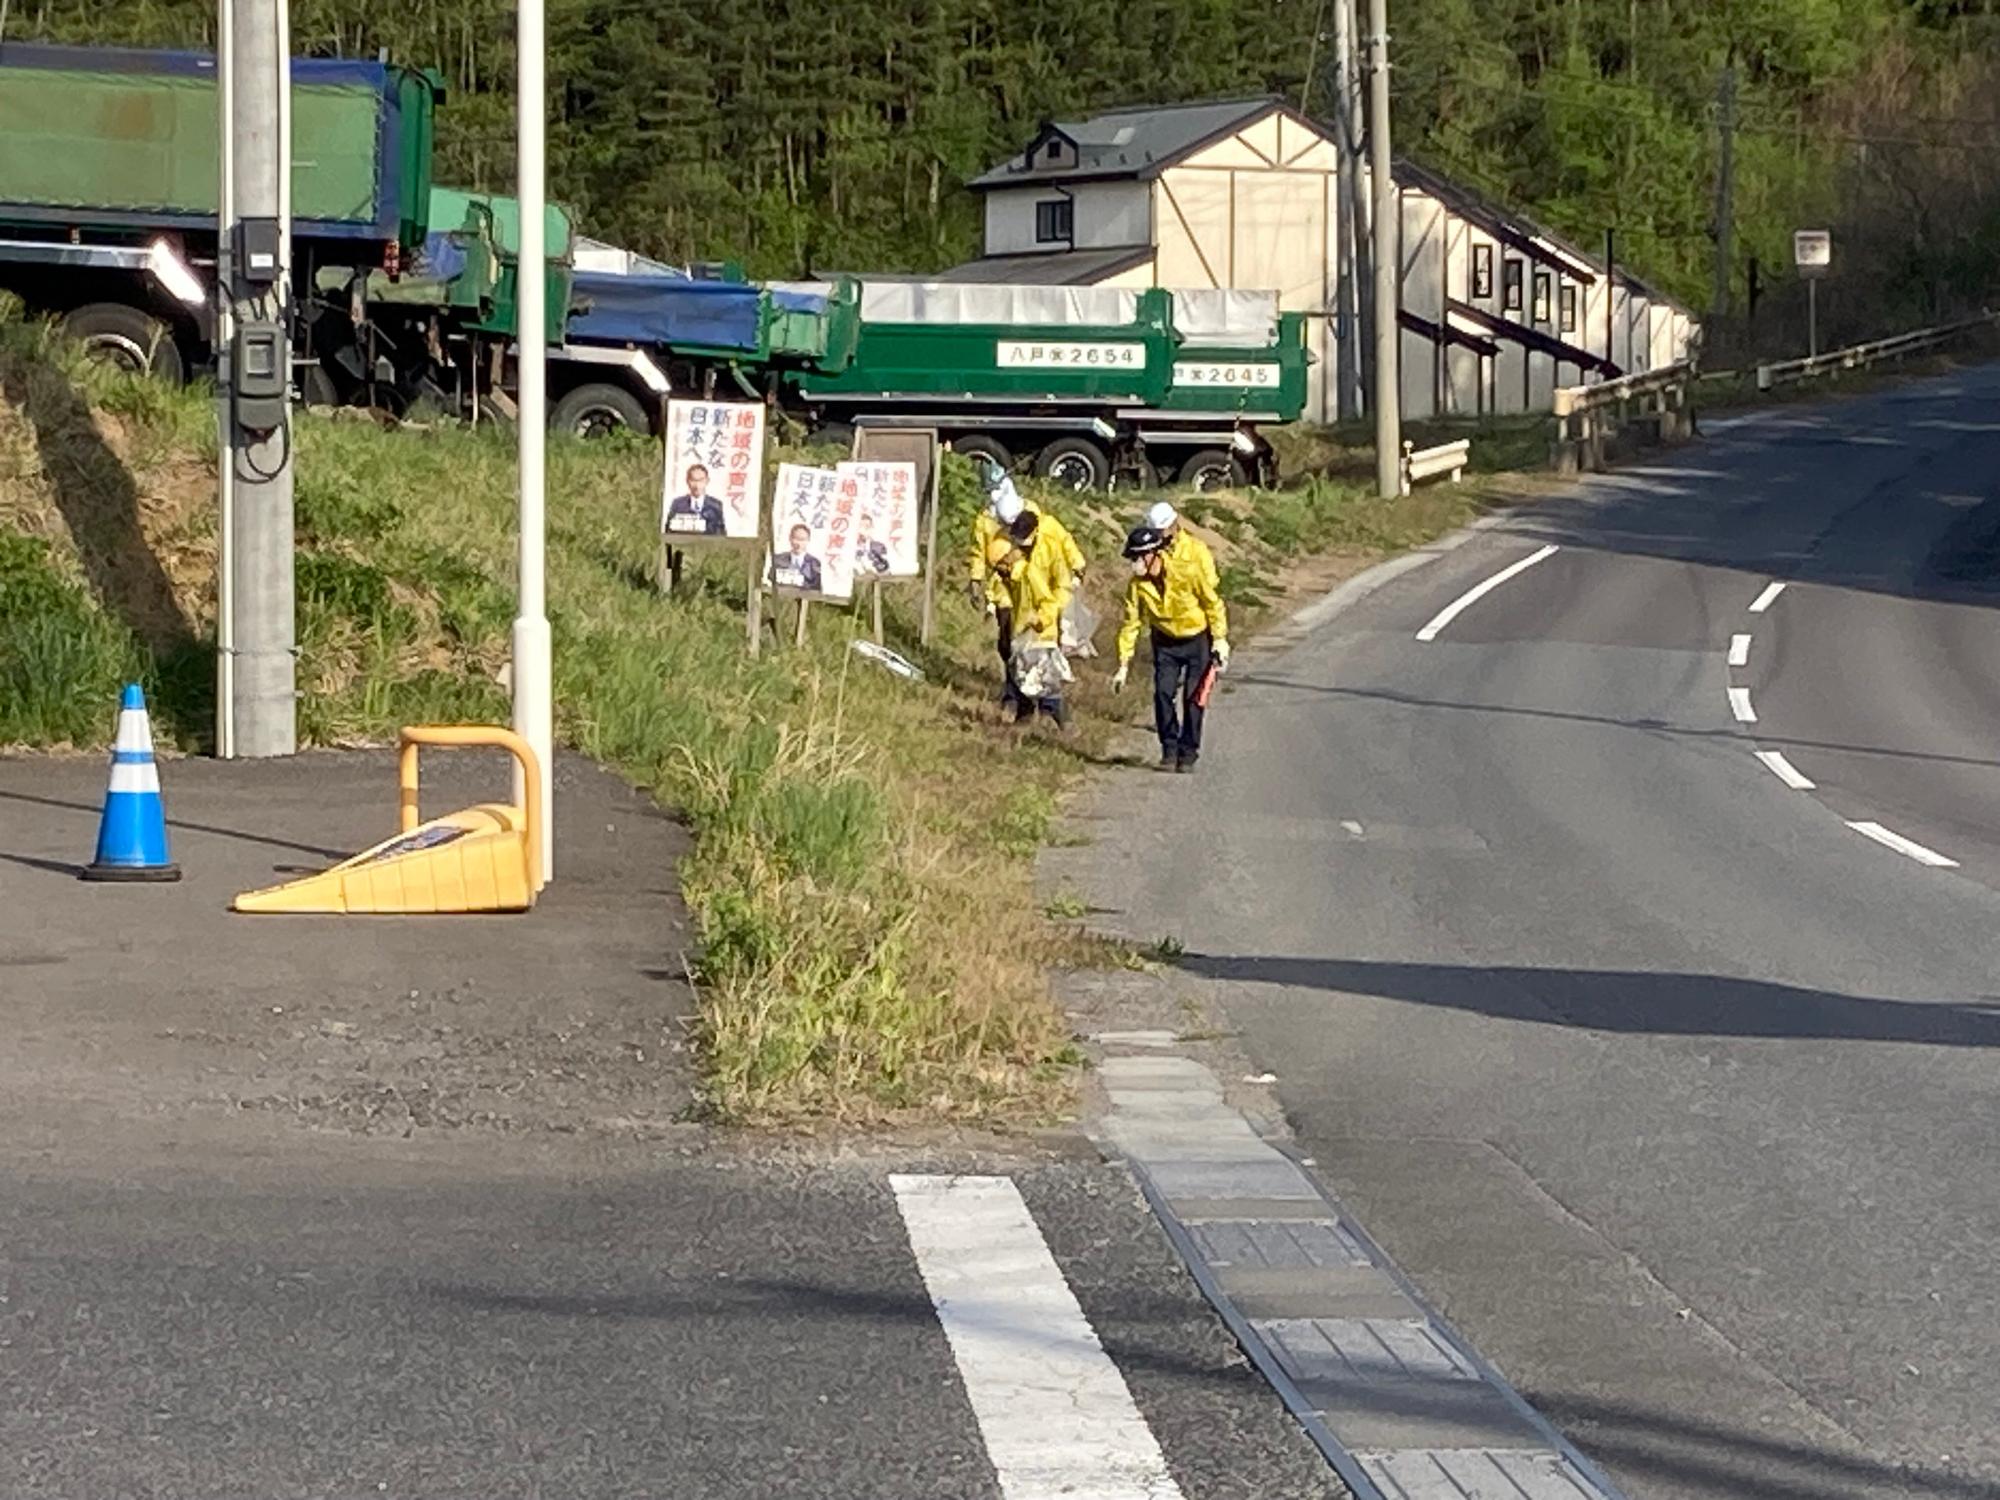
(1678, 1093)
(304, 1207)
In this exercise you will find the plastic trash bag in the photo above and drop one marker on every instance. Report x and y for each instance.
(1079, 624)
(1041, 670)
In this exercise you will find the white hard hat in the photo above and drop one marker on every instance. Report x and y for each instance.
(1007, 504)
(1162, 516)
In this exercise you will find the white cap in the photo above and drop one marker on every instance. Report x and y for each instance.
(1161, 516)
(1007, 504)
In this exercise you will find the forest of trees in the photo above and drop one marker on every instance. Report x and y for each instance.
(795, 137)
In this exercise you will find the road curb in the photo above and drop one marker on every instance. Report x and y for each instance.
(1402, 1407)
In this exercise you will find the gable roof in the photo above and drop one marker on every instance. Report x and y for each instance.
(1063, 268)
(1139, 141)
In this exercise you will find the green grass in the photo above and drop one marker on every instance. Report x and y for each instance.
(871, 944)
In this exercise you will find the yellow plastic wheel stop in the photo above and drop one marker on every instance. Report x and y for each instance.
(483, 858)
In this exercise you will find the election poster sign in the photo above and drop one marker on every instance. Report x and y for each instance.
(812, 532)
(715, 471)
(885, 540)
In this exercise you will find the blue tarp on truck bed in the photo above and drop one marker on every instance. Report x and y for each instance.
(670, 310)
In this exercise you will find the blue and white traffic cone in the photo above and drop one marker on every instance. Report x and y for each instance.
(132, 839)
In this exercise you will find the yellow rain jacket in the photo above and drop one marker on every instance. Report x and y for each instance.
(1040, 588)
(986, 526)
(1186, 601)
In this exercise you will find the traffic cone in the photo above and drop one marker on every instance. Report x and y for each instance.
(132, 839)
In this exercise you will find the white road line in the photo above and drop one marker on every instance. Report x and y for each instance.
(1739, 651)
(1902, 845)
(1784, 770)
(1479, 591)
(1766, 599)
(1052, 1408)
(1739, 704)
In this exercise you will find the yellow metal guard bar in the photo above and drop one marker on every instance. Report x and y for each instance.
(460, 736)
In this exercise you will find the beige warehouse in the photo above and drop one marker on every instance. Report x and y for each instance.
(1243, 194)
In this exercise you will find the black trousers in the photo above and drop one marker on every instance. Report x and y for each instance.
(1178, 664)
(1003, 618)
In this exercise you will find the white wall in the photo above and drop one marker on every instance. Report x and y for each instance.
(1010, 221)
(1112, 214)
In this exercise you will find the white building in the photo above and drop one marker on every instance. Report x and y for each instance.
(1496, 312)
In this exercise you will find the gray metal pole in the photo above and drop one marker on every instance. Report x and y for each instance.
(259, 446)
(1347, 301)
(1388, 332)
(1812, 318)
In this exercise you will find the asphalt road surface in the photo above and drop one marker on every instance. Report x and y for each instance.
(1675, 1088)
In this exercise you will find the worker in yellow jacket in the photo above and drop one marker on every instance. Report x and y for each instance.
(1176, 596)
(1004, 506)
(1030, 559)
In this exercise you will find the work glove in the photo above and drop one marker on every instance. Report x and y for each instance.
(1222, 654)
(1119, 677)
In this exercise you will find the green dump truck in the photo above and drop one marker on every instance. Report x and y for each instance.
(109, 182)
(1089, 386)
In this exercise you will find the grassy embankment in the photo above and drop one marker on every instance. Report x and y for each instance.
(861, 877)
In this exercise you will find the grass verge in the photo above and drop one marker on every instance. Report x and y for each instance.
(872, 945)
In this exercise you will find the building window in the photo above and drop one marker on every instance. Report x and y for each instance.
(1542, 290)
(1510, 284)
(1482, 272)
(1055, 221)
(1569, 309)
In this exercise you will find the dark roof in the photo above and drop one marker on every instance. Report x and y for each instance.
(1064, 268)
(1531, 338)
(1505, 225)
(1141, 140)
(1444, 333)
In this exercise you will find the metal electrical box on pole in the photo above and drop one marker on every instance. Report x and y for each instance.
(533, 671)
(256, 634)
(1388, 325)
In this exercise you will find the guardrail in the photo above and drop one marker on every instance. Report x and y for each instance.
(1860, 356)
(1420, 464)
(1588, 416)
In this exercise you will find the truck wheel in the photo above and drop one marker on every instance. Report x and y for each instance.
(832, 435)
(127, 338)
(1075, 464)
(597, 411)
(1212, 469)
(973, 449)
(317, 390)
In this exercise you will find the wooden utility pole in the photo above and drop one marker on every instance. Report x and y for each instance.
(1725, 188)
(1347, 200)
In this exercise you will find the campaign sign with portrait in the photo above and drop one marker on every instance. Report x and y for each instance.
(715, 471)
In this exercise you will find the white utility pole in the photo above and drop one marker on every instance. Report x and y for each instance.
(534, 692)
(1347, 198)
(257, 635)
(1388, 329)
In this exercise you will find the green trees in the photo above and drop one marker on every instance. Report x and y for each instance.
(797, 138)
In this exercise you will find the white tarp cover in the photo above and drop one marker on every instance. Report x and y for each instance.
(608, 260)
(1225, 318)
(1014, 306)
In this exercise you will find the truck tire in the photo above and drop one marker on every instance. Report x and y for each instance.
(979, 446)
(597, 410)
(832, 435)
(1074, 463)
(1213, 469)
(128, 338)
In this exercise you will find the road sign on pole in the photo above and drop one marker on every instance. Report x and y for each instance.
(1812, 253)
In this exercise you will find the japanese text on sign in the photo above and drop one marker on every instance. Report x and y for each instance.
(715, 469)
(812, 530)
(1260, 376)
(885, 543)
(1021, 355)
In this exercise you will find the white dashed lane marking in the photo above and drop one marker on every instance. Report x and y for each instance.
(1910, 847)
(1766, 599)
